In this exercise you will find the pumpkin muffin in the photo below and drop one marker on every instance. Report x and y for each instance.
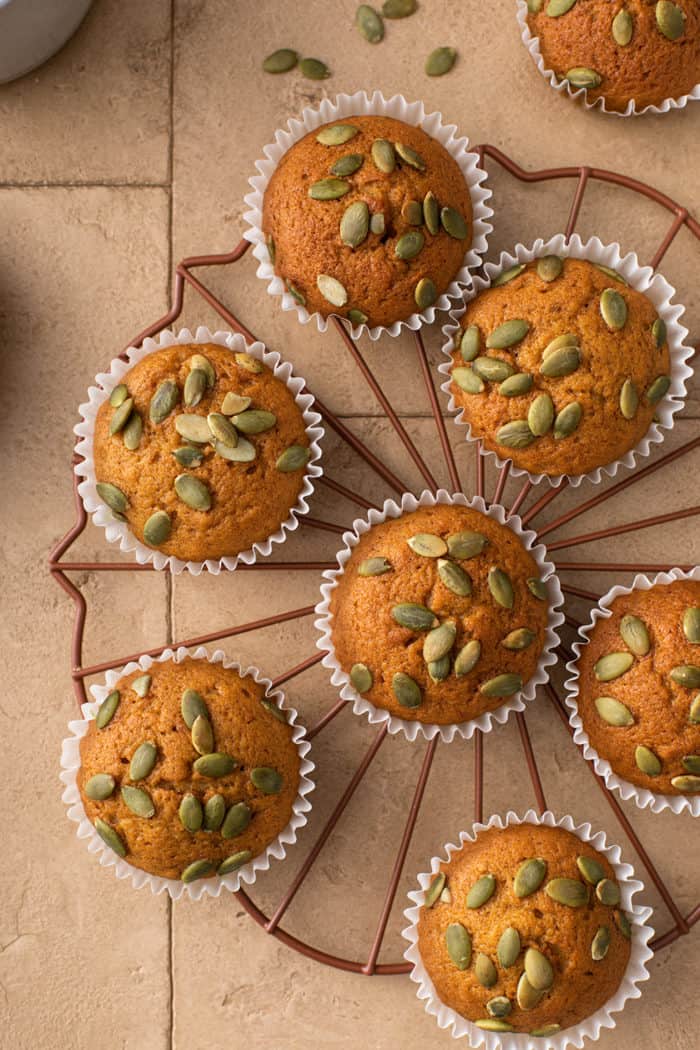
(521, 930)
(639, 687)
(202, 451)
(559, 366)
(188, 770)
(439, 615)
(621, 50)
(369, 218)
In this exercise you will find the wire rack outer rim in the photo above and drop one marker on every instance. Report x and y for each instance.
(184, 276)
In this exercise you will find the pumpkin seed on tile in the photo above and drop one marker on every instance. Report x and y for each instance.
(539, 970)
(217, 764)
(608, 893)
(383, 156)
(691, 624)
(506, 276)
(120, 416)
(492, 369)
(527, 996)
(691, 764)
(410, 156)
(198, 869)
(508, 948)
(494, 1024)
(470, 342)
(202, 735)
(118, 395)
(484, 971)
(369, 22)
(243, 452)
(520, 638)
(331, 289)
(99, 787)
(549, 267)
(635, 635)
(236, 820)
(467, 380)
(141, 685)
(670, 19)
(481, 892)
(234, 862)
(406, 690)
(612, 666)
(195, 387)
(437, 884)
(347, 165)
(467, 657)
(569, 892)
(163, 401)
(567, 421)
(157, 528)
(314, 69)
(414, 616)
(501, 587)
(686, 783)
(280, 61)
(354, 227)
(375, 566)
(296, 295)
(409, 245)
(583, 77)
(193, 492)
(336, 134)
(191, 813)
(253, 421)
(629, 399)
(427, 545)
(131, 433)
(112, 496)
(143, 760)
(398, 8)
(694, 711)
(466, 544)
(440, 61)
(658, 332)
(507, 334)
(613, 711)
(453, 223)
(107, 709)
(192, 705)
(110, 836)
(499, 1006)
(540, 415)
(529, 877)
(537, 588)
(361, 677)
(425, 294)
(516, 385)
(622, 27)
(214, 812)
(561, 362)
(439, 642)
(687, 675)
(267, 780)
(193, 428)
(454, 577)
(439, 670)
(293, 458)
(328, 189)
(516, 434)
(459, 945)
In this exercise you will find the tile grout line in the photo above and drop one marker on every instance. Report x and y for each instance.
(170, 612)
(102, 184)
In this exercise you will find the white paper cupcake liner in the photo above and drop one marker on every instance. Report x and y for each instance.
(362, 104)
(643, 279)
(119, 532)
(642, 796)
(70, 764)
(485, 721)
(592, 1026)
(532, 43)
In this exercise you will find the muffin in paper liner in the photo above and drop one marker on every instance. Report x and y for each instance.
(642, 796)
(643, 279)
(575, 1035)
(485, 721)
(70, 764)
(532, 43)
(362, 104)
(119, 532)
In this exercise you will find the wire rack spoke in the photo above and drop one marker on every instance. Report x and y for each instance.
(531, 762)
(355, 497)
(618, 530)
(437, 414)
(315, 658)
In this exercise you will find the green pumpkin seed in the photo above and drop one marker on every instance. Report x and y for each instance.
(141, 685)
(409, 245)
(529, 877)
(453, 223)
(499, 1006)
(465, 545)
(508, 948)
(493, 1024)
(434, 890)
(234, 862)
(502, 685)
(425, 294)
(193, 428)
(370, 24)
(493, 369)
(519, 639)
(410, 156)
(539, 970)
(107, 710)
(216, 764)
(198, 869)
(658, 389)
(143, 760)
(439, 642)
(688, 784)
(406, 690)
(439, 670)
(314, 69)
(622, 27)
(383, 156)
(191, 813)
(467, 657)
(274, 710)
(296, 295)
(609, 272)
(561, 362)
(357, 317)
(694, 712)
(647, 761)
(194, 388)
(99, 787)
(635, 635)
(454, 577)
(347, 165)
(193, 492)
(537, 588)
(361, 677)
(459, 945)
(205, 365)
(354, 225)
(431, 213)
(214, 812)
(508, 275)
(234, 403)
(202, 735)
(623, 924)
(336, 134)
(120, 416)
(516, 434)
(687, 675)
(555, 8)
(516, 385)
(412, 213)
(398, 8)
(132, 432)
(613, 309)
(440, 61)
(658, 332)
(110, 837)
(470, 343)
(376, 223)
(570, 892)
(374, 566)
(254, 421)
(248, 362)
(591, 869)
(482, 891)
(549, 267)
(157, 528)
(267, 780)
(613, 711)
(222, 429)
(540, 415)
(545, 1030)
(331, 290)
(527, 996)
(244, 452)
(612, 666)
(501, 587)
(583, 77)
(533, 7)
(446, 896)
(691, 764)
(280, 61)
(467, 380)
(485, 971)
(567, 339)
(237, 820)
(118, 395)
(670, 19)
(608, 893)
(507, 334)
(112, 496)
(567, 421)
(163, 401)
(192, 706)
(691, 624)
(329, 189)
(415, 617)
(427, 545)
(629, 399)
(293, 458)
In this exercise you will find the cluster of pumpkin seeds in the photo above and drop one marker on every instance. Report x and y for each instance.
(608, 668)
(213, 815)
(439, 653)
(537, 974)
(285, 59)
(225, 430)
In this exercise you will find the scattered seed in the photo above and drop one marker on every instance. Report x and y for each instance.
(545, 1030)
(252, 421)
(623, 924)
(314, 69)
(194, 388)
(357, 316)
(120, 416)
(267, 780)
(658, 389)
(493, 1024)
(561, 362)
(296, 295)
(439, 670)
(539, 970)
(537, 588)
(440, 61)
(214, 812)
(687, 784)
(492, 369)
(431, 213)
(274, 710)
(555, 8)
(202, 735)
(516, 434)
(613, 309)
(118, 395)
(249, 363)
(438, 642)
(369, 22)
(658, 332)
(694, 712)
(280, 61)
(527, 996)
(499, 1006)
(376, 223)
(567, 339)
(635, 635)
(691, 624)
(519, 639)
(398, 8)
(244, 452)
(193, 428)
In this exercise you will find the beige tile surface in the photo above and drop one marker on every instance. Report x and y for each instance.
(84, 960)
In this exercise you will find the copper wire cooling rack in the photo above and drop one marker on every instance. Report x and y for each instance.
(59, 569)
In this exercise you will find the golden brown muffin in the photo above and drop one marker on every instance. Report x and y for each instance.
(474, 598)
(639, 688)
(379, 249)
(560, 366)
(523, 960)
(156, 762)
(621, 50)
(184, 491)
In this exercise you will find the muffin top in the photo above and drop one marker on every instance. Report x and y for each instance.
(439, 615)
(639, 688)
(521, 930)
(194, 773)
(621, 50)
(559, 366)
(201, 450)
(369, 218)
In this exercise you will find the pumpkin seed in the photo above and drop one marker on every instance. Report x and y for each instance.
(412, 213)
(425, 293)
(508, 275)
(622, 27)
(293, 458)
(439, 642)
(694, 712)
(484, 971)
(163, 401)
(508, 948)
(691, 764)
(336, 134)
(244, 452)
(623, 924)
(280, 61)
(253, 421)
(112, 496)
(296, 295)
(376, 566)
(493, 1024)
(561, 362)
(658, 332)
(540, 415)
(361, 677)
(354, 226)
(141, 685)
(507, 334)
(110, 837)
(440, 61)
(192, 706)
(555, 8)
(499, 1006)
(376, 223)
(600, 943)
(357, 316)
(237, 820)
(406, 691)
(635, 635)
(464, 545)
(99, 787)
(501, 587)
(191, 813)
(608, 893)
(370, 24)
(132, 432)
(670, 19)
(120, 416)
(583, 77)
(203, 363)
(687, 675)
(493, 369)
(439, 670)
(267, 780)
(157, 528)
(545, 1030)
(410, 156)
(658, 389)
(222, 428)
(482, 891)
(271, 250)
(193, 492)
(118, 395)
(427, 545)
(570, 892)
(567, 420)
(537, 588)
(202, 735)
(143, 760)
(314, 69)
(274, 710)
(629, 399)
(467, 380)
(549, 267)
(539, 970)
(434, 890)
(459, 945)
(609, 272)
(446, 896)
(686, 783)
(194, 388)
(691, 624)
(413, 616)
(467, 657)
(533, 7)
(516, 385)
(193, 428)
(431, 213)
(470, 342)
(234, 862)
(529, 877)
(347, 165)
(613, 309)
(454, 577)
(398, 8)
(612, 666)
(107, 709)
(328, 189)
(518, 639)
(248, 362)
(198, 869)
(527, 996)
(453, 223)
(567, 339)
(214, 812)
(331, 290)
(216, 764)
(647, 761)
(409, 245)
(383, 156)
(613, 711)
